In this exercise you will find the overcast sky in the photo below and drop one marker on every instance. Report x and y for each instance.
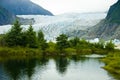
(65, 6)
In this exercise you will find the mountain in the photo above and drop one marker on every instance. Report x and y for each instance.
(109, 28)
(23, 7)
(6, 17)
(114, 13)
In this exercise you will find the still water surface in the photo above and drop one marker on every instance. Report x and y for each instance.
(60, 68)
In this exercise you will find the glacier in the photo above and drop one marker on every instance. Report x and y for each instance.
(52, 26)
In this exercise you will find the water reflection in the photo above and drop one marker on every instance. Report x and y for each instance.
(76, 58)
(62, 64)
(58, 68)
(16, 69)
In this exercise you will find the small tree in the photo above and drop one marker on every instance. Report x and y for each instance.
(51, 47)
(13, 37)
(110, 46)
(2, 41)
(31, 38)
(41, 41)
(74, 42)
(62, 42)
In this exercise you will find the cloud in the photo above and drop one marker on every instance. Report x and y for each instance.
(64, 6)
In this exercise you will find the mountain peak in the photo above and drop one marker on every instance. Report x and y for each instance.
(114, 13)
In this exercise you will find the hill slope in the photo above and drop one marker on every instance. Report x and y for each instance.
(6, 17)
(109, 28)
(114, 13)
(23, 7)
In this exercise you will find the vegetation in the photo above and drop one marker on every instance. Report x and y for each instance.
(51, 49)
(29, 40)
(7, 53)
(14, 36)
(62, 42)
(113, 62)
(41, 41)
(19, 44)
(110, 46)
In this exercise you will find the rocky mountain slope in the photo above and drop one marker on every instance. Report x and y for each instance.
(109, 28)
(114, 13)
(23, 7)
(6, 17)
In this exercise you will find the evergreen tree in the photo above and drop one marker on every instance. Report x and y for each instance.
(40, 36)
(41, 41)
(2, 41)
(74, 42)
(110, 46)
(13, 37)
(31, 38)
(62, 42)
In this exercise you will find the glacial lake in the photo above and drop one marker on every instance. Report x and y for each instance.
(58, 68)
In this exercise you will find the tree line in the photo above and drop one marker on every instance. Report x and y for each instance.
(16, 36)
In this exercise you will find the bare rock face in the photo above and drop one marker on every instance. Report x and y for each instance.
(114, 13)
(109, 28)
(23, 7)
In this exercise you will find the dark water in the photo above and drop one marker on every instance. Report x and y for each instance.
(60, 68)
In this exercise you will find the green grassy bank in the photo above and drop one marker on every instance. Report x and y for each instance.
(7, 53)
(113, 62)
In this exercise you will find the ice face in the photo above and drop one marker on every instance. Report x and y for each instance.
(52, 26)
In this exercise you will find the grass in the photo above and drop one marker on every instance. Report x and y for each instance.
(18, 53)
(113, 62)
(7, 53)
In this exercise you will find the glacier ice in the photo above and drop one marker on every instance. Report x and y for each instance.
(52, 26)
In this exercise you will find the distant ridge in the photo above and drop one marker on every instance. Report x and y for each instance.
(109, 28)
(6, 17)
(23, 7)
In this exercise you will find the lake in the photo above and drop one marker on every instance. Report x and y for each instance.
(58, 68)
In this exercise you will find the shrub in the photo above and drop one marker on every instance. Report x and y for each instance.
(70, 51)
